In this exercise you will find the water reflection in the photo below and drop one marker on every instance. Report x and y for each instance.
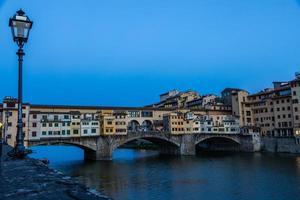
(146, 175)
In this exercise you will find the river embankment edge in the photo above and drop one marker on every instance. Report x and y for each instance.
(32, 179)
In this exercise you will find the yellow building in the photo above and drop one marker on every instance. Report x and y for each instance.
(121, 122)
(107, 122)
(179, 122)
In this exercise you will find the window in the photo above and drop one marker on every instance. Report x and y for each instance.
(33, 133)
(63, 132)
(93, 130)
(44, 124)
(294, 93)
(133, 113)
(34, 116)
(55, 117)
(66, 116)
(75, 131)
(85, 131)
(296, 109)
(24, 124)
(63, 124)
(56, 124)
(68, 132)
(23, 115)
(44, 132)
(50, 133)
(33, 124)
(147, 113)
(297, 117)
(50, 124)
(44, 117)
(9, 124)
(56, 132)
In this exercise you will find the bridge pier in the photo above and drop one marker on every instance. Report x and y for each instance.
(103, 151)
(187, 145)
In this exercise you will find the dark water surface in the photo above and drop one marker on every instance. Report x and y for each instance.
(143, 175)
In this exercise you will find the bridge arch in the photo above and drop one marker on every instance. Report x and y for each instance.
(228, 138)
(154, 139)
(83, 146)
(165, 145)
(218, 143)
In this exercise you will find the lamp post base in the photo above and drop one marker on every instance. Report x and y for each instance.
(19, 152)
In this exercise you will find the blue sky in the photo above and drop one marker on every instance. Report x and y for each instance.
(126, 53)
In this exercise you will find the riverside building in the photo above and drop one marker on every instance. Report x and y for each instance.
(271, 112)
(274, 111)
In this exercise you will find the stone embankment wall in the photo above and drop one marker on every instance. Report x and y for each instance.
(250, 143)
(281, 145)
(30, 179)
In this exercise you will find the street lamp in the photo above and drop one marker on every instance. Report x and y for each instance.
(20, 26)
(6, 127)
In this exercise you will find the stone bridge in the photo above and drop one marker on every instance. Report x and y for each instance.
(102, 147)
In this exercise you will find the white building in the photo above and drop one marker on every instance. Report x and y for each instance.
(45, 125)
(89, 124)
(224, 124)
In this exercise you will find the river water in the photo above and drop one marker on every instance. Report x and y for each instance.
(143, 175)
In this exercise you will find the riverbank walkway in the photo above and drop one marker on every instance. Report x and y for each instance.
(30, 179)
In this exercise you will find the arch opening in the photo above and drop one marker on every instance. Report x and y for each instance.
(139, 144)
(61, 143)
(133, 126)
(147, 125)
(57, 152)
(218, 144)
(162, 145)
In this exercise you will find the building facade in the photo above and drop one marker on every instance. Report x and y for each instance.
(274, 111)
(52, 121)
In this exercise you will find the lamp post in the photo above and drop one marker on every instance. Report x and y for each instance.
(6, 127)
(20, 26)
